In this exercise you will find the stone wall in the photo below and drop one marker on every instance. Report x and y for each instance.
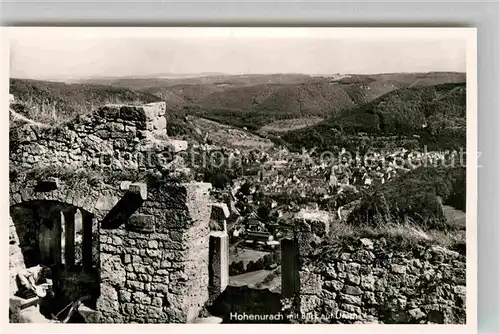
(152, 241)
(154, 268)
(16, 259)
(125, 133)
(376, 280)
(153, 245)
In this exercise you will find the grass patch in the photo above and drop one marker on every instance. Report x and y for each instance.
(417, 196)
(404, 236)
(57, 102)
(94, 177)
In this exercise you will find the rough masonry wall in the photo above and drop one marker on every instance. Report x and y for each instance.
(373, 281)
(153, 242)
(154, 268)
(16, 259)
(122, 132)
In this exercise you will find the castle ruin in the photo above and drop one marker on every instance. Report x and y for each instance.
(140, 251)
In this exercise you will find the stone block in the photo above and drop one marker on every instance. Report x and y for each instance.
(416, 314)
(106, 202)
(310, 283)
(160, 123)
(108, 300)
(363, 256)
(219, 260)
(141, 223)
(176, 219)
(154, 312)
(154, 109)
(141, 298)
(125, 296)
(369, 298)
(398, 269)
(308, 304)
(349, 299)
(353, 279)
(160, 287)
(178, 145)
(208, 320)
(144, 278)
(329, 271)
(128, 308)
(112, 269)
(368, 282)
(353, 268)
(140, 189)
(153, 244)
(334, 286)
(352, 290)
(124, 185)
(157, 301)
(132, 113)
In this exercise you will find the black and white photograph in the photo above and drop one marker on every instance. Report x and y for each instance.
(241, 176)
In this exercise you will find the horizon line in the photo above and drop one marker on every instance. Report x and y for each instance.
(176, 76)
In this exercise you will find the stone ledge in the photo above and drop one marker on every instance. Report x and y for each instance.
(135, 188)
(207, 320)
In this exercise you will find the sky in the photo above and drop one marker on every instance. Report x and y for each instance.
(46, 56)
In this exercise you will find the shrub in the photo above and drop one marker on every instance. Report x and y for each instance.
(401, 112)
(417, 195)
(236, 268)
(265, 262)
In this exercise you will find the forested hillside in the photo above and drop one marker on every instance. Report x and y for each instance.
(431, 115)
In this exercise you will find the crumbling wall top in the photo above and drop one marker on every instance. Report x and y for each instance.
(114, 135)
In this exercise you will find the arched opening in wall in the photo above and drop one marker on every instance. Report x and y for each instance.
(63, 238)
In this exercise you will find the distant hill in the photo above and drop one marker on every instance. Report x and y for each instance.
(179, 96)
(250, 101)
(314, 98)
(244, 98)
(53, 102)
(430, 115)
(258, 105)
(214, 80)
(365, 88)
(195, 91)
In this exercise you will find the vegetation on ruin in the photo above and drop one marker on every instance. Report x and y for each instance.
(406, 212)
(55, 102)
(94, 177)
(417, 195)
